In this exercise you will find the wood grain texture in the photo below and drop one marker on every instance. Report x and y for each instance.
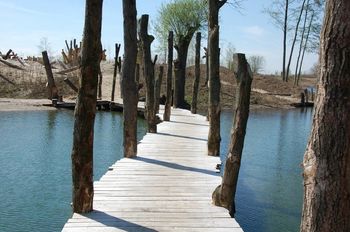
(166, 188)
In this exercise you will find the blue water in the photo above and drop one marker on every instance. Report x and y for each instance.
(270, 191)
(35, 167)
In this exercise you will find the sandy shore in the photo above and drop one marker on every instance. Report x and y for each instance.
(10, 104)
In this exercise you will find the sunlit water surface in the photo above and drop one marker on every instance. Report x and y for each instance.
(35, 167)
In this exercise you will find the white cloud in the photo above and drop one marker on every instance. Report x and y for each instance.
(15, 7)
(254, 31)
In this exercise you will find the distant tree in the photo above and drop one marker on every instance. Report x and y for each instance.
(327, 158)
(45, 45)
(85, 109)
(228, 59)
(256, 63)
(287, 15)
(184, 17)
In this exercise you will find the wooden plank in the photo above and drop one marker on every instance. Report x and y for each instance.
(167, 187)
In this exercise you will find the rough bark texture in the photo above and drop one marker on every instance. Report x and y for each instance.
(53, 92)
(327, 157)
(117, 66)
(177, 74)
(196, 74)
(129, 83)
(169, 79)
(148, 72)
(224, 194)
(157, 87)
(214, 78)
(83, 135)
(180, 79)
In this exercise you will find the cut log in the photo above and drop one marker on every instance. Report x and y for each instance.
(158, 85)
(68, 70)
(195, 87)
(224, 194)
(10, 64)
(169, 80)
(70, 84)
(7, 80)
(116, 68)
(53, 92)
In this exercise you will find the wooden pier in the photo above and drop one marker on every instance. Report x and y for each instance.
(167, 187)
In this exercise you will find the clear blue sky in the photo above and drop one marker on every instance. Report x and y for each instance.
(25, 22)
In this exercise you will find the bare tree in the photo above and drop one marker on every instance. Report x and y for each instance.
(256, 63)
(327, 158)
(85, 109)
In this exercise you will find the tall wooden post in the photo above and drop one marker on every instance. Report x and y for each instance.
(53, 92)
(196, 74)
(224, 194)
(214, 78)
(130, 92)
(148, 70)
(158, 85)
(116, 68)
(85, 109)
(169, 80)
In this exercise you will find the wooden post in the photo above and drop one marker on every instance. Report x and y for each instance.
(6, 79)
(100, 79)
(130, 93)
(85, 110)
(158, 85)
(148, 70)
(224, 194)
(214, 77)
(167, 110)
(116, 64)
(53, 93)
(70, 84)
(177, 74)
(196, 74)
(206, 67)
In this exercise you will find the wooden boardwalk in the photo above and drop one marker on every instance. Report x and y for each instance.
(167, 187)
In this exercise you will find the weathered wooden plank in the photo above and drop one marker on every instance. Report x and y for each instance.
(167, 187)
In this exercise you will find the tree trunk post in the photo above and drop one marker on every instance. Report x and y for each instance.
(167, 110)
(85, 109)
(177, 74)
(148, 70)
(116, 64)
(130, 92)
(53, 92)
(196, 74)
(224, 194)
(214, 78)
(326, 161)
(158, 85)
(100, 79)
(70, 84)
(180, 78)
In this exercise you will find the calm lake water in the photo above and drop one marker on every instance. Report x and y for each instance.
(35, 167)
(270, 191)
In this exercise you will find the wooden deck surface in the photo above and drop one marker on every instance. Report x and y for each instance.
(167, 187)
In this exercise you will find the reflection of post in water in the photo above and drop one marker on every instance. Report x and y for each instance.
(51, 122)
